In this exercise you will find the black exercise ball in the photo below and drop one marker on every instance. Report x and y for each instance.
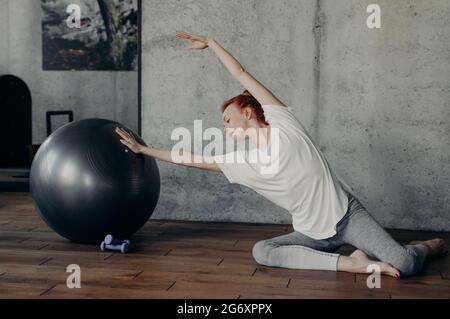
(86, 184)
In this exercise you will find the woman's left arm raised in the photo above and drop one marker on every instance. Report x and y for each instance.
(257, 89)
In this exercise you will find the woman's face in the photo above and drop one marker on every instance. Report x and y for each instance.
(235, 122)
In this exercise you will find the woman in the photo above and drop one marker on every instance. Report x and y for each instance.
(325, 213)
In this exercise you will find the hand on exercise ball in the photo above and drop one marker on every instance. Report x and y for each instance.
(198, 42)
(128, 140)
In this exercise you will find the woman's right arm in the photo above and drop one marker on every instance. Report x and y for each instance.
(196, 161)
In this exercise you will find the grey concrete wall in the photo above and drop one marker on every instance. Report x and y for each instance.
(385, 107)
(111, 95)
(375, 101)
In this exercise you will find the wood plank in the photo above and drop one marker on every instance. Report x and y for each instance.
(36, 235)
(51, 275)
(210, 252)
(252, 291)
(99, 292)
(216, 276)
(420, 292)
(304, 274)
(21, 290)
(193, 290)
(155, 263)
(423, 281)
(342, 286)
(15, 257)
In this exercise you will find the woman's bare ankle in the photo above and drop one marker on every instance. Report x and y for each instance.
(346, 263)
(359, 263)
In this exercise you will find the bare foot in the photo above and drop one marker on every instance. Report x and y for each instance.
(436, 247)
(358, 262)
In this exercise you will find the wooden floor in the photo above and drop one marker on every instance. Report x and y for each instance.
(180, 260)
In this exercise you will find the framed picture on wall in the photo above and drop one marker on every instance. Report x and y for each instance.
(90, 35)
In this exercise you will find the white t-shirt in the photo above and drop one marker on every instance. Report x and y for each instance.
(302, 181)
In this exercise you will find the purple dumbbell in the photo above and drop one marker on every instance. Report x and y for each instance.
(111, 243)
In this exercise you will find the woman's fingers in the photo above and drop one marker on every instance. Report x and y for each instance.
(188, 36)
(130, 134)
(183, 34)
(128, 139)
(127, 144)
(118, 132)
(131, 146)
(124, 134)
(121, 133)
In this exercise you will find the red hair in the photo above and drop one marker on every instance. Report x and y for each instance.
(246, 99)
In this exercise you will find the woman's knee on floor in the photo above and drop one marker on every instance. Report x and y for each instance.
(261, 251)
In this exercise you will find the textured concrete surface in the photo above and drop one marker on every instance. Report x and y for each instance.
(375, 101)
(181, 86)
(111, 95)
(384, 108)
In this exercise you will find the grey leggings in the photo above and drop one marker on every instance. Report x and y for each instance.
(357, 228)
